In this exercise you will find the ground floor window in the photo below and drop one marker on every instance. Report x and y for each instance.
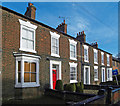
(73, 72)
(27, 70)
(95, 73)
(109, 74)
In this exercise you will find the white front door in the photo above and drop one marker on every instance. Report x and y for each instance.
(86, 74)
(103, 74)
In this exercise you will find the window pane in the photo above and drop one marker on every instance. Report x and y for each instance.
(30, 45)
(55, 48)
(30, 35)
(33, 67)
(73, 73)
(26, 77)
(24, 43)
(26, 67)
(19, 77)
(33, 77)
(19, 66)
(24, 33)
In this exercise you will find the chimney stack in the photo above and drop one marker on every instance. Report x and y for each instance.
(81, 36)
(31, 11)
(62, 27)
(95, 45)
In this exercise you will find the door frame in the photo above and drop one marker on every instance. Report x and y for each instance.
(59, 71)
(102, 74)
(88, 74)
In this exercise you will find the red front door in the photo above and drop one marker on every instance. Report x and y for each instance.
(54, 78)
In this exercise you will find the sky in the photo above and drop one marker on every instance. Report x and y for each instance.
(99, 20)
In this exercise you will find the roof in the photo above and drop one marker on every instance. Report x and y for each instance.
(115, 59)
(33, 20)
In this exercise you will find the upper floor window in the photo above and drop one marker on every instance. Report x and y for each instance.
(73, 51)
(95, 56)
(102, 58)
(108, 60)
(86, 53)
(54, 44)
(27, 36)
(73, 72)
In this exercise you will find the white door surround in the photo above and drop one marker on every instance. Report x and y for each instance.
(87, 75)
(53, 62)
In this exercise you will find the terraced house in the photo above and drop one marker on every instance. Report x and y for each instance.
(35, 55)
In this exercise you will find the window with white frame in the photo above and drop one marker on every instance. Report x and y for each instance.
(86, 53)
(109, 74)
(108, 60)
(95, 56)
(27, 36)
(27, 70)
(102, 58)
(73, 72)
(95, 73)
(54, 44)
(73, 51)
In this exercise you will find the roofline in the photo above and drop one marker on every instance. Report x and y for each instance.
(7, 9)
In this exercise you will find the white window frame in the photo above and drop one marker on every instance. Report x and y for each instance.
(26, 58)
(109, 77)
(27, 25)
(85, 74)
(108, 57)
(56, 36)
(102, 54)
(95, 51)
(75, 66)
(96, 67)
(72, 42)
(51, 73)
(102, 74)
(86, 47)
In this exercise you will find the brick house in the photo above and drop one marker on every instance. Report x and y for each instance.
(35, 55)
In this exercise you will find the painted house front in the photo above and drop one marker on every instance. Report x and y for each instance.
(35, 55)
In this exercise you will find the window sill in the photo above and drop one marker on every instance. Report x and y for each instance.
(102, 63)
(26, 85)
(73, 58)
(73, 81)
(27, 50)
(55, 55)
(95, 62)
(95, 79)
(86, 61)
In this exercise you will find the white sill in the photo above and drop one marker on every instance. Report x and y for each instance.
(73, 58)
(86, 61)
(95, 79)
(108, 64)
(73, 81)
(26, 85)
(27, 50)
(55, 55)
(95, 62)
(102, 63)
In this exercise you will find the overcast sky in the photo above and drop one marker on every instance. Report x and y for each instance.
(99, 20)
